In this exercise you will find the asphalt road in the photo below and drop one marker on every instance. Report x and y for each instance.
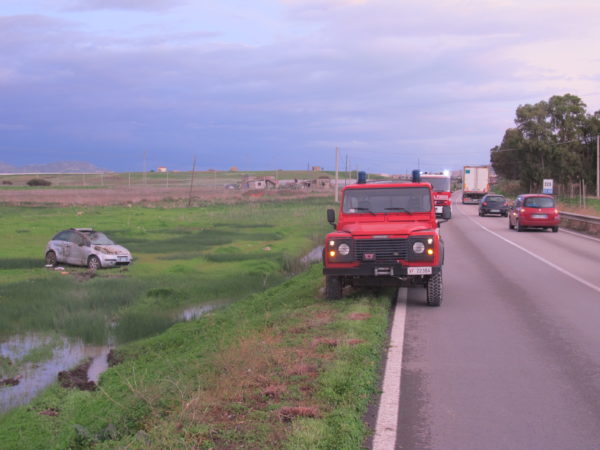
(511, 360)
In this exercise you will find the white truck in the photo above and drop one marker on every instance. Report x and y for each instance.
(475, 183)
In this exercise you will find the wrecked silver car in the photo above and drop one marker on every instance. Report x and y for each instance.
(85, 247)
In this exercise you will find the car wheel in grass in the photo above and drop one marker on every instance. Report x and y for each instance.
(333, 287)
(51, 258)
(94, 263)
(434, 290)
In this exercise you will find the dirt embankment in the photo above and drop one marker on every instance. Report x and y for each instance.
(176, 196)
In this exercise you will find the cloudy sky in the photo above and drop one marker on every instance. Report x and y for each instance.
(278, 84)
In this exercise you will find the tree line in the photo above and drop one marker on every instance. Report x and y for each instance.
(552, 139)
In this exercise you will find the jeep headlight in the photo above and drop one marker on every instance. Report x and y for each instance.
(344, 249)
(418, 247)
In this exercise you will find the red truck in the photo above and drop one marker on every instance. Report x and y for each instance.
(442, 192)
(387, 235)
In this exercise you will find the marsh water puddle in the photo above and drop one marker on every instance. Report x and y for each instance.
(315, 255)
(38, 359)
(33, 361)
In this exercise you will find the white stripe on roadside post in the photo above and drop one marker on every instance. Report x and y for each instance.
(389, 405)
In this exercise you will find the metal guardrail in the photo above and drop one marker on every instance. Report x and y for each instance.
(579, 222)
(580, 217)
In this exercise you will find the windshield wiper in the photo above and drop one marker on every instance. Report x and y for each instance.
(399, 209)
(365, 209)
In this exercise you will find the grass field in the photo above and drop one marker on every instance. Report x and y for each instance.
(202, 179)
(183, 257)
(277, 368)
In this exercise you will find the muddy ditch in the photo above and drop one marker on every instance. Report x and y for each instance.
(71, 362)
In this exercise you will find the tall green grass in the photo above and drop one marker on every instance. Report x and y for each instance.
(207, 254)
(144, 402)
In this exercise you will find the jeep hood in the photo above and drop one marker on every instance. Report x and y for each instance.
(388, 228)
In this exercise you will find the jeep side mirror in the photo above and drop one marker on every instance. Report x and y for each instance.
(331, 217)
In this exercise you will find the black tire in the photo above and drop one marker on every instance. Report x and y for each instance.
(333, 287)
(510, 225)
(51, 258)
(520, 227)
(555, 229)
(480, 213)
(447, 212)
(94, 263)
(434, 289)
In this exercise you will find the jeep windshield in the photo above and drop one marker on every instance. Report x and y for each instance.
(387, 200)
(439, 184)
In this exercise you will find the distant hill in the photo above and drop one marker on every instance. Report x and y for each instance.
(55, 167)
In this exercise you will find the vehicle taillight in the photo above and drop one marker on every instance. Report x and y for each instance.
(484, 203)
(522, 210)
(556, 211)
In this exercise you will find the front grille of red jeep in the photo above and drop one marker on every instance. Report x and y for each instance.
(385, 250)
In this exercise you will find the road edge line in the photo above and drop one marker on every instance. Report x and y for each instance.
(386, 426)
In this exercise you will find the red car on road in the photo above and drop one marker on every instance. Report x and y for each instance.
(533, 211)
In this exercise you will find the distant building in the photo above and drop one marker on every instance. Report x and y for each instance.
(317, 183)
(259, 182)
(233, 169)
(162, 170)
(316, 168)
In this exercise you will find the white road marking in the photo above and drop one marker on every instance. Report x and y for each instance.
(389, 405)
(539, 258)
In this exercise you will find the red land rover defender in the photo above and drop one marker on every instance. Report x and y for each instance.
(442, 194)
(387, 235)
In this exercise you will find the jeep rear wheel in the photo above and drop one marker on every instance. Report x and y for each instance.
(333, 287)
(434, 289)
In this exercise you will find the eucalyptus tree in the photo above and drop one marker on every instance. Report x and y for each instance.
(552, 139)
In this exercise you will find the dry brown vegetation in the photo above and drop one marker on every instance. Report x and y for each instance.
(162, 196)
(267, 378)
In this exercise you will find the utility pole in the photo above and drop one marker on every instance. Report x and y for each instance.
(145, 155)
(337, 170)
(192, 182)
(346, 176)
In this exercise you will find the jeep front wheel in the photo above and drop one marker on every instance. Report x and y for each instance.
(333, 287)
(434, 289)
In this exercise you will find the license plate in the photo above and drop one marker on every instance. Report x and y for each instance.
(419, 271)
(539, 216)
(439, 209)
(122, 258)
(494, 210)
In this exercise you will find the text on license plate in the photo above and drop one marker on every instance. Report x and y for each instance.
(419, 271)
(539, 216)
(122, 258)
